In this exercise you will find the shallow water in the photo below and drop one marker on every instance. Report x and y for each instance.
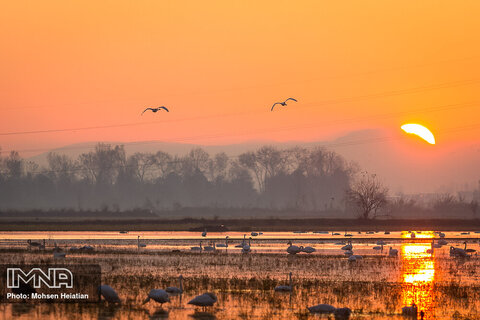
(376, 287)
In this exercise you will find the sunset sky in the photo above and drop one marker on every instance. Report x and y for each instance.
(219, 65)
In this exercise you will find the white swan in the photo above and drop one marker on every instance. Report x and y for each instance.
(204, 300)
(285, 288)
(223, 245)
(432, 247)
(468, 250)
(199, 248)
(293, 249)
(108, 293)
(175, 290)
(309, 250)
(210, 248)
(322, 308)
(157, 295)
(155, 109)
(243, 242)
(457, 252)
(247, 247)
(442, 242)
(392, 252)
(36, 244)
(139, 244)
(284, 103)
(378, 248)
(349, 246)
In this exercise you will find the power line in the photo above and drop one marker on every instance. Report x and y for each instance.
(313, 79)
(286, 128)
(327, 102)
(325, 145)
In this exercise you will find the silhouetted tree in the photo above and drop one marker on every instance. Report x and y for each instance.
(368, 195)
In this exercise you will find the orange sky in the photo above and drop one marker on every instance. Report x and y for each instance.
(219, 65)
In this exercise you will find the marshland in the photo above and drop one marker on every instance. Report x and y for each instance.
(442, 285)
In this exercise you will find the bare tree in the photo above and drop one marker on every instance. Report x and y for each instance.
(142, 165)
(61, 167)
(217, 166)
(265, 163)
(103, 165)
(14, 165)
(195, 161)
(368, 195)
(164, 163)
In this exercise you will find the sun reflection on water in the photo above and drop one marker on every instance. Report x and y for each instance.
(418, 273)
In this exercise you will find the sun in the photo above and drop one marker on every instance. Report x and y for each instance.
(420, 131)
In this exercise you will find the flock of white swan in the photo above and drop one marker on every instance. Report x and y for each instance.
(208, 299)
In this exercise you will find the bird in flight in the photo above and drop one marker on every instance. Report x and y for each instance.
(155, 109)
(284, 103)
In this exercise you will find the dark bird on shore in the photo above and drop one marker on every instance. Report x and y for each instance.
(284, 103)
(155, 109)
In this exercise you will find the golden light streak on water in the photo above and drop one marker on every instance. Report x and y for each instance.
(418, 274)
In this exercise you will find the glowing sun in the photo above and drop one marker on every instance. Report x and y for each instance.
(420, 131)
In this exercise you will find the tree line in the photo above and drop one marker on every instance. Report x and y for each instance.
(107, 178)
(294, 179)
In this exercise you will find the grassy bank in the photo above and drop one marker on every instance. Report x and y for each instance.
(272, 224)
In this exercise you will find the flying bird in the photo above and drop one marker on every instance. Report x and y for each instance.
(284, 103)
(155, 109)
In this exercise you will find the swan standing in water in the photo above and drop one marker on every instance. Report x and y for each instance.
(285, 288)
(309, 250)
(458, 253)
(293, 249)
(204, 300)
(246, 248)
(378, 248)
(322, 308)
(243, 242)
(108, 293)
(157, 295)
(36, 244)
(392, 252)
(468, 250)
(175, 290)
(210, 248)
(223, 245)
(139, 244)
(432, 247)
(349, 246)
(199, 248)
